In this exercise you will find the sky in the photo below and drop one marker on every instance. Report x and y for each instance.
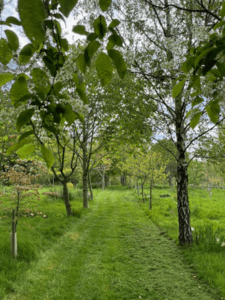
(10, 10)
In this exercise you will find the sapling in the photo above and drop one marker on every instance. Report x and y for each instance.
(21, 176)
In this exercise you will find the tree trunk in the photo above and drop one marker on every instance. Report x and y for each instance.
(66, 199)
(138, 186)
(85, 167)
(90, 186)
(170, 178)
(103, 178)
(142, 192)
(185, 234)
(150, 196)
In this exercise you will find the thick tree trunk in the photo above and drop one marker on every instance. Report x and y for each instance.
(185, 234)
(90, 186)
(66, 199)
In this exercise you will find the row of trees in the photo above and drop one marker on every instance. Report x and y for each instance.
(164, 95)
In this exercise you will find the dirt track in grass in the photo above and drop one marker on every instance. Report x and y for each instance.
(114, 252)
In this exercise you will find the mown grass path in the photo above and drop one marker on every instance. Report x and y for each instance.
(113, 252)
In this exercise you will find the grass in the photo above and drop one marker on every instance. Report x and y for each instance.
(207, 255)
(112, 251)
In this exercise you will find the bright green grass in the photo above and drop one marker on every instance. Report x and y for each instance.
(208, 221)
(113, 252)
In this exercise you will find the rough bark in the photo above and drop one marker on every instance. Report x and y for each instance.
(66, 199)
(185, 234)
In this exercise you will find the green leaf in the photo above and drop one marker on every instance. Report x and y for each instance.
(49, 64)
(69, 115)
(38, 76)
(90, 51)
(51, 128)
(178, 88)
(114, 23)
(222, 12)
(48, 156)
(104, 68)
(12, 39)
(59, 16)
(81, 63)
(13, 148)
(116, 40)
(109, 46)
(92, 36)
(80, 30)
(32, 14)
(118, 61)
(5, 52)
(17, 146)
(104, 4)
(26, 53)
(195, 120)
(213, 111)
(64, 44)
(57, 87)
(221, 68)
(202, 55)
(188, 64)
(24, 118)
(67, 6)
(195, 80)
(100, 26)
(219, 24)
(82, 95)
(13, 20)
(210, 64)
(196, 101)
(18, 90)
(26, 150)
(77, 79)
(5, 77)
(25, 135)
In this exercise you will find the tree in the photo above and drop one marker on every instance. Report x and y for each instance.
(44, 32)
(158, 59)
(147, 165)
(207, 61)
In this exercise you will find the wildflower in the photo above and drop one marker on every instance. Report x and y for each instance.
(32, 215)
(223, 244)
(44, 216)
(217, 240)
(192, 229)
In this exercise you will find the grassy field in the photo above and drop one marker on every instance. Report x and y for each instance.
(113, 250)
(207, 255)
